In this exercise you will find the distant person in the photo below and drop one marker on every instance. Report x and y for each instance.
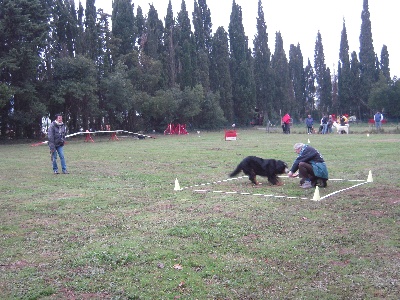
(286, 124)
(330, 123)
(309, 124)
(311, 166)
(324, 123)
(343, 120)
(378, 118)
(56, 137)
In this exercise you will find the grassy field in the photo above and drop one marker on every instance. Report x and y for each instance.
(114, 228)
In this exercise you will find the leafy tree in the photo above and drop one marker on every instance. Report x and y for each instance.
(116, 92)
(75, 91)
(169, 55)
(220, 78)
(380, 96)
(211, 116)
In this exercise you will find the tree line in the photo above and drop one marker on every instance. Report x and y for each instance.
(139, 72)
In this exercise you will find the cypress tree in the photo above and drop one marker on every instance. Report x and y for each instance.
(356, 87)
(385, 63)
(202, 35)
(367, 57)
(240, 66)
(263, 75)
(91, 33)
(169, 57)
(186, 63)
(123, 26)
(282, 102)
(24, 36)
(324, 95)
(344, 76)
(309, 79)
(296, 73)
(220, 78)
(152, 46)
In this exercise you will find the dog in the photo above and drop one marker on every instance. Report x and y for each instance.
(340, 128)
(253, 166)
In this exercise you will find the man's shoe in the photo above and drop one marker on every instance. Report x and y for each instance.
(56, 173)
(65, 172)
(306, 185)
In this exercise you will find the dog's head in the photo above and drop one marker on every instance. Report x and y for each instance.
(281, 167)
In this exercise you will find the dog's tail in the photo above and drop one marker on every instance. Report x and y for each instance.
(237, 171)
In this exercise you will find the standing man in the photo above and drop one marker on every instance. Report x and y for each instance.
(309, 124)
(378, 118)
(286, 123)
(311, 166)
(56, 136)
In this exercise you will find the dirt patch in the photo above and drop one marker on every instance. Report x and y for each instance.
(385, 194)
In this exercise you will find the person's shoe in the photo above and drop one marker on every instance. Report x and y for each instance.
(306, 185)
(56, 173)
(65, 172)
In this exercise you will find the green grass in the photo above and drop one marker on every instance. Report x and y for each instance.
(115, 228)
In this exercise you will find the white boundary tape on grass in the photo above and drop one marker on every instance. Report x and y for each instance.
(361, 182)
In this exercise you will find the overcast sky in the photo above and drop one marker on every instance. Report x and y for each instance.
(299, 22)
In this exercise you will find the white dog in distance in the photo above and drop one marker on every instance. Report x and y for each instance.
(340, 128)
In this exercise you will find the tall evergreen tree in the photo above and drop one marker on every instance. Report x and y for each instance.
(220, 77)
(309, 79)
(185, 46)
(323, 96)
(152, 46)
(91, 33)
(242, 80)
(202, 35)
(283, 89)
(169, 57)
(140, 25)
(296, 73)
(385, 63)
(263, 75)
(367, 57)
(24, 34)
(123, 26)
(356, 87)
(344, 75)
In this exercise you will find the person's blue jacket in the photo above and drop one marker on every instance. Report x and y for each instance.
(309, 122)
(310, 155)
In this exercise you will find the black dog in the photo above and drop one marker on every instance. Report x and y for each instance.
(253, 165)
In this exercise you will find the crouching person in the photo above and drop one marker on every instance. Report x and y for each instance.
(311, 166)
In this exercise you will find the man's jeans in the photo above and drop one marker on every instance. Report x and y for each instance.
(325, 128)
(60, 151)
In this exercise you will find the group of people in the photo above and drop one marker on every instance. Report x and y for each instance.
(326, 123)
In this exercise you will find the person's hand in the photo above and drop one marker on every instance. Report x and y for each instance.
(290, 174)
